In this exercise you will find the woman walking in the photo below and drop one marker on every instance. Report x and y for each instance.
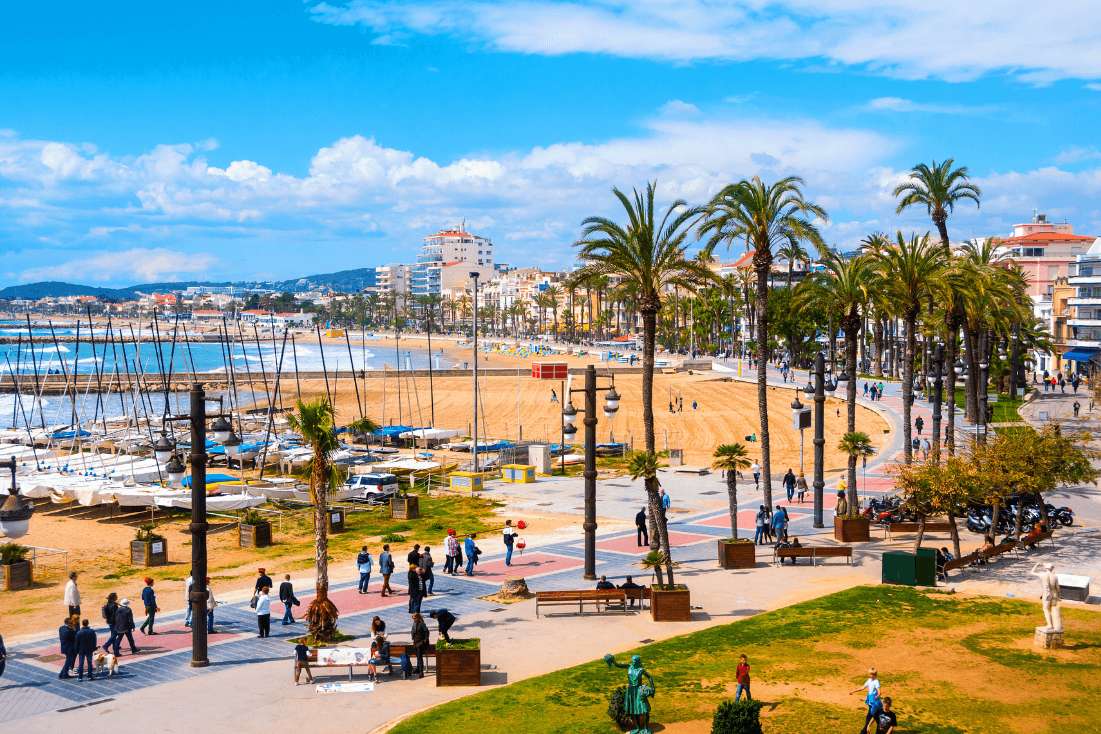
(386, 568)
(263, 612)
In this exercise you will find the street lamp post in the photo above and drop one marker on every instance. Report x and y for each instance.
(474, 275)
(801, 419)
(569, 427)
(819, 392)
(938, 397)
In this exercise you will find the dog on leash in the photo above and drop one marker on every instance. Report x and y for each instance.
(106, 662)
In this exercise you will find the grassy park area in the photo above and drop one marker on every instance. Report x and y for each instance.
(951, 664)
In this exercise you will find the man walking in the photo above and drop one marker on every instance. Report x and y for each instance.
(666, 501)
(471, 551)
(386, 568)
(72, 595)
(417, 588)
(641, 534)
(419, 633)
(85, 646)
(414, 556)
(262, 580)
(742, 676)
(187, 599)
(508, 535)
(364, 565)
(124, 627)
(789, 483)
(762, 520)
(286, 595)
(149, 601)
(756, 469)
(109, 612)
(919, 424)
(425, 566)
(1077, 407)
(66, 635)
(445, 620)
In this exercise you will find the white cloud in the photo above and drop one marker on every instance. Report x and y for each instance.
(679, 108)
(134, 265)
(1077, 154)
(900, 104)
(952, 41)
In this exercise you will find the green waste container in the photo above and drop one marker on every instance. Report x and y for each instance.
(926, 567)
(899, 567)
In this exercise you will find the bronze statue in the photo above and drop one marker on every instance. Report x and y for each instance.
(635, 702)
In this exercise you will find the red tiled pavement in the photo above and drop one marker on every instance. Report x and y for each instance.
(747, 520)
(628, 543)
(169, 639)
(529, 565)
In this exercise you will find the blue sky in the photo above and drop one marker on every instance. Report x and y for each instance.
(272, 139)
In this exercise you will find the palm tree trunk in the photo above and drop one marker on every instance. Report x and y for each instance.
(951, 349)
(732, 495)
(649, 337)
(321, 614)
(877, 346)
(762, 379)
(908, 386)
(852, 327)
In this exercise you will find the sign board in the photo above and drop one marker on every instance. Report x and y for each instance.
(337, 517)
(157, 547)
(549, 370)
(343, 655)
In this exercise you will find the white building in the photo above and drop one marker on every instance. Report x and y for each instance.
(454, 249)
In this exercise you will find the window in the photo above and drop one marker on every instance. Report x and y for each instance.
(1033, 252)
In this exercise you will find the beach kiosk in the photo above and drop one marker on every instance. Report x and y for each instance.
(518, 473)
(466, 481)
(549, 370)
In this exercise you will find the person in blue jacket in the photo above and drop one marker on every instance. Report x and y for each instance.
(66, 635)
(471, 551)
(85, 646)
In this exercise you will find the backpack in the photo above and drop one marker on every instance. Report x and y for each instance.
(406, 666)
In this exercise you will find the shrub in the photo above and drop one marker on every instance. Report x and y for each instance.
(616, 709)
(147, 533)
(251, 517)
(737, 717)
(392, 538)
(474, 643)
(12, 553)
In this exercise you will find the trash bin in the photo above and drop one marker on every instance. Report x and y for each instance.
(926, 567)
(899, 567)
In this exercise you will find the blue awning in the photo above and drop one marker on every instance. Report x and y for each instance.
(1081, 355)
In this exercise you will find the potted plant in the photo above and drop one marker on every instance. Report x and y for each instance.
(459, 662)
(15, 569)
(668, 602)
(405, 506)
(848, 524)
(253, 531)
(733, 552)
(148, 548)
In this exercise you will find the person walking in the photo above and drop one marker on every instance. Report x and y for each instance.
(780, 524)
(364, 565)
(124, 627)
(109, 611)
(926, 447)
(386, 568)
(72, 595)
(756, 469)
(471, 551)
(919, 424)
(302, 663)
(666, 502)
(768, 526)
(801, 487)
(419, 633)
(871, 697)
(885, 720)
(642, 535)
(425, 566)
(416, 594)
(789, 484)
(1077, 407)
(742, 676)
(66, 636)
(414, 556)
(451, 553)
(149, 601)
(211, 605)
(444, 620)
(85, 646)
(508, 535)
(262, 580)
(286, 595)
(759, 534)
(187, 599)
(263, 612)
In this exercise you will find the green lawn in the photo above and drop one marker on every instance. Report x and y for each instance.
(951, 665)
(1005, 410)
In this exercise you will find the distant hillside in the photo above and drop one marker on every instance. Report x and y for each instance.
(345, 281)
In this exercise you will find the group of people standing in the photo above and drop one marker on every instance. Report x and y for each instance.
(771, 525)
(874, 391)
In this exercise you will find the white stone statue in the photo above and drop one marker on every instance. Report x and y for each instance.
(1049, 598)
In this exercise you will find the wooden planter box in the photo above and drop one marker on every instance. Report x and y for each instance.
(458, 667)
(15, 576)
(851, 529)
(148, 552)
(336, 520)
(740, 554)
(405, 508)
(670, 605)
(254, 536)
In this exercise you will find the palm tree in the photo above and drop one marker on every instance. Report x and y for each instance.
(844, 287)
(856, 444)
(939, 188)
(648, 253)
(793, 252)
(551, 295)
(731, 458)
(314, 422)
(763, 216)
(906, 274)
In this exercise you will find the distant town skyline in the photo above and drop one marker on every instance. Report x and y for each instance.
(270, 140)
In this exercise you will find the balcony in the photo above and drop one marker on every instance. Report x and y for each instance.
(1095, 321)
(1089, 343)
(1084, 301)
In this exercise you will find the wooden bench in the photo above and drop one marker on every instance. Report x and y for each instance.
(813, 552)
(1033, 542)
(1004, 547)
(641, 595)
(889, 529)
(364, 655)
(962, 562)
(602, 599)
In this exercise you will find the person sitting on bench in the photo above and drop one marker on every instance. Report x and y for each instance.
(629, 586)
(793, 544)
(943, 557)
(604, 584)
(380, 655)
(987, 547)
(1032, 537)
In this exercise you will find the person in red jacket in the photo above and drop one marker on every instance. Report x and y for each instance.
(742, 675)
